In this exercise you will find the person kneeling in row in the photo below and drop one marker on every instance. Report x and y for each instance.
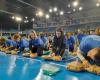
(8, 45)
(90, 48)
(35, 45)
(89, 52)
(58, 46)
(22, 44)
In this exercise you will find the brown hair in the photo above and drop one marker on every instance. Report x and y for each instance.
(2, 39)
(60, 30)
(97, 31)
(16, 36)
(97, 55)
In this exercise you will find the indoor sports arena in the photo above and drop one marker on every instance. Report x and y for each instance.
(49, 39)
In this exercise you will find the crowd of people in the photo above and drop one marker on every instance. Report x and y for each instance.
(86, 46)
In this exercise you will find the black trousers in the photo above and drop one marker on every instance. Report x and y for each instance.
(37, 50)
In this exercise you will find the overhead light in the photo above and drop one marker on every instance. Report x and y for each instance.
(19, 19)
(50, 10)
(74, 10)
(25, 21)
(26, 17)
(13, 17)
(61, 12)
(33, 19)
(75, 3)
(80, 8)
(69, 5)
(40, 13)
(55, 9)
(47, 16)
(97, 4)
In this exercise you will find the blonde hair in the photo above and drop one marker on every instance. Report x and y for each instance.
(41, 34)
(34, 34)
(97, 31)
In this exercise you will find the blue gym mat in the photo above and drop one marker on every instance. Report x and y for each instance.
(13, 67)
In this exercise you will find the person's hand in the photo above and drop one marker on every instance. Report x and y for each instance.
(75, 48)
(86, 64)
(50, 48)
(32, 46)
(33, 55)
(13, 52)
(26, 54)
(57, 58)
(74, 53)
(3, 49)
(53, 54)
(47, 57)
(16, 49)
(6, 48)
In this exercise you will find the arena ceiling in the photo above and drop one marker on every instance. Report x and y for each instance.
(9, 8)
(28, 7)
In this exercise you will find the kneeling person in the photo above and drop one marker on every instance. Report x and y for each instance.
(35, 45)
(22, 44)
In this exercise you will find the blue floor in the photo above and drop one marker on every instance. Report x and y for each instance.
(14, 67)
